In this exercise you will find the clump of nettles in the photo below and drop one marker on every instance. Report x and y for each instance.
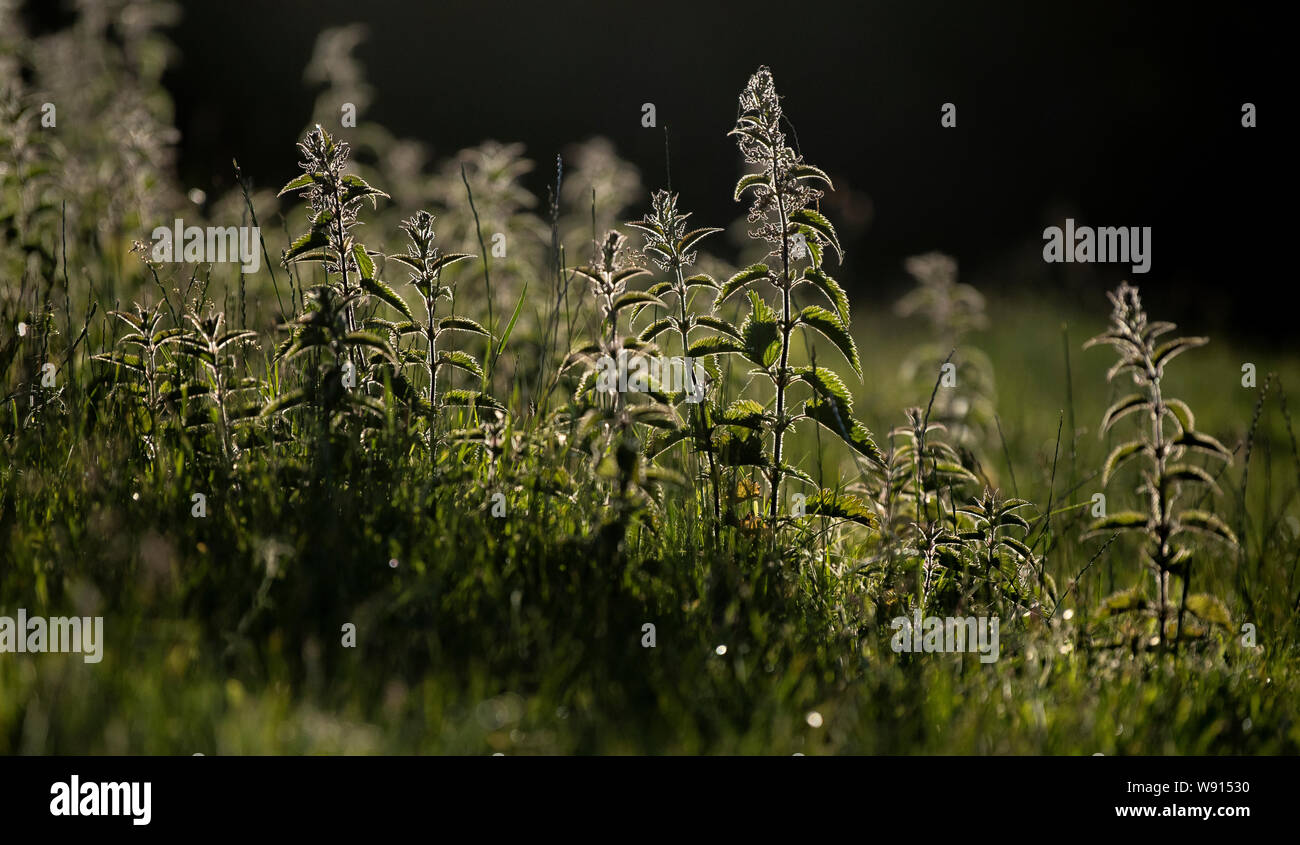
(671, 247)
(966, 401)
(616, 394)
(1165, 441)
(782, 189)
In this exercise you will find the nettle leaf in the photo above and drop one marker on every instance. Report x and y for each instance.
(379, 289)
(843, 506)
(828, 384)
(1207, 523)
(749, 180)
(1017, 547)
(663, 439)
(1181, 412)
(715, 345)
(657, 328)
(691, 239)
(807, 171)
(1192, 473)
(365, 264)
(1204, 443)
(760, 332)
(366, 339)
(638, 297)
(355, 188)
(717, 324)
(700, 280)
(654, 415)
(1120, 455)
(315, 239)
(832, 290)
(1210, 609)
(289, 399)
(1166, 352)
(471, 398)
(623, 276)
(1122, 521)
(302, 182)
(1127, 405)
(461, 324)
(749, 275)
(657, 289)
(745, 413)
(832, 416)
(817, 221)
(463, 360)
(830, 326)
(123, 360)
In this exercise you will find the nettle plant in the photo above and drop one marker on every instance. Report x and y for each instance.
(615, 395)
(1166, 440)
(782, 208)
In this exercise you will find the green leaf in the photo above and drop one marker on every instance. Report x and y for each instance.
(285, 401)
(760, 333)
(830, 326)
(365, 264)
(379, 289)
(691, 239)
(745, 413)
(366, 339)
(750, 274)
(842, 506)
(832, 416)
(1181, 412)
(638, 297)
(664, 439)
(1122, 521)
(471, 398)
(1192, 473)
(1166, 352)
(355, 188)
(314, 239)
(656, 328)
(1204, 443)
(1127, 405)
(832, 290)
(807, 171)
(298, 183)
(749, 180)
(700, 280)
(817, 221)
(718, 325)
(1120, 455)
(1206, 523)
(461, 324)
(463, 360)
(715, 345)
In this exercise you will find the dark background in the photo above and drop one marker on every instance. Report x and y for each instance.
(1115, 113)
